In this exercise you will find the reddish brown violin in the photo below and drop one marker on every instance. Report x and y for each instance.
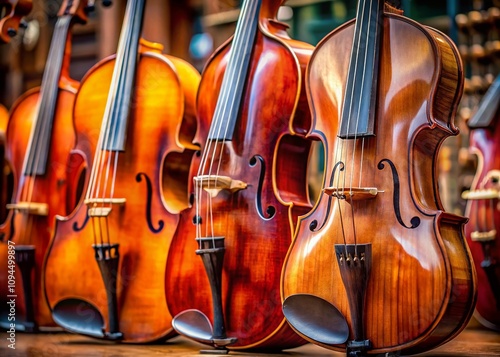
(225, 261)
(483, 206)
(5, 175)
(378, 266)
(13, 12)
(134, 115)
(40, 135)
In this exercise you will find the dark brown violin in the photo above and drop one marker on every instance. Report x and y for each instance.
(483, 206)
(135, 121)
(378, 266)
(12, 12)
(224, 264)
(40, 135)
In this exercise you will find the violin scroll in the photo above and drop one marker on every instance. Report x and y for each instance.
(14, 11)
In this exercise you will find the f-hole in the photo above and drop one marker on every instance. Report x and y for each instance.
(270, 210)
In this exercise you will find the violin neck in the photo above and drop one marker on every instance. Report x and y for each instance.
(41, 133)
(114, 124)
(233, 83)
(358, 114)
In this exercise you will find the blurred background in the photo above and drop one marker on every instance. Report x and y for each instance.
(193, 29)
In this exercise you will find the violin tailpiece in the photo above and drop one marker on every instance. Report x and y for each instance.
(194, 323)
(355, 261)
(107, 257)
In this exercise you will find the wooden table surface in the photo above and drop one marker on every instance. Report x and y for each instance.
(472, 342)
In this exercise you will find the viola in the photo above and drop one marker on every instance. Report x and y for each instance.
(378, 266)
(483, 206)
(14, 11)
(224, 264)
(135, 121)
(39, 138)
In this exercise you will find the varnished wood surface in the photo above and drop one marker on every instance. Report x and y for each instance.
(470, 343)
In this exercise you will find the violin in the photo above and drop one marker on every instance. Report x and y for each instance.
(378, 266)
(224, 264)
(13, 12)
(483, 206)
(135, 121)
(40, 136)
(5, 175)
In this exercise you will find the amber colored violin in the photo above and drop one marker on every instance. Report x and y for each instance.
(224, 264)
(39, 138)
(483, 206)
(13, 12)
(378, 266)
(135, 121)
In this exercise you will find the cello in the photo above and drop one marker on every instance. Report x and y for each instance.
(135, 121)
(249, 186)
(14, 11)
(378, 266)
(483, 206)
(39, 138)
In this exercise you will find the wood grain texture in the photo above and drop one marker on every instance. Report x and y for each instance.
(422, 286)
(159, 146)
(268, 154)
(53, 188)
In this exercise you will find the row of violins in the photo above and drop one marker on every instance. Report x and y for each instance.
(150, 201)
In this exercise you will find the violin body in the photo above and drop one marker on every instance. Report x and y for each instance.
(54, 188)
(421, 289)
(158, 153)
(484, 216)
(269, 155)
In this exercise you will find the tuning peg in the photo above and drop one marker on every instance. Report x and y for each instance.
(90, 6)
(23, 24)
(11, 32)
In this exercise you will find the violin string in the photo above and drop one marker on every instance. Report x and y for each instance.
(363, 71)
(342, 147)
(44, 111)
(128, 67)
(108, 130)
(368, 22)
(40, 127)
(240, 64)
(233, 68)
(236, 73)
(112, 162)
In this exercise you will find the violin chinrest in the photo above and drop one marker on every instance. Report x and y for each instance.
(316, 318)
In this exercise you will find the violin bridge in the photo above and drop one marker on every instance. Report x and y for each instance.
(485, 194)
(477, 236)
(37, 209)
(352, 193)
(215, 184)
(95, 211)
